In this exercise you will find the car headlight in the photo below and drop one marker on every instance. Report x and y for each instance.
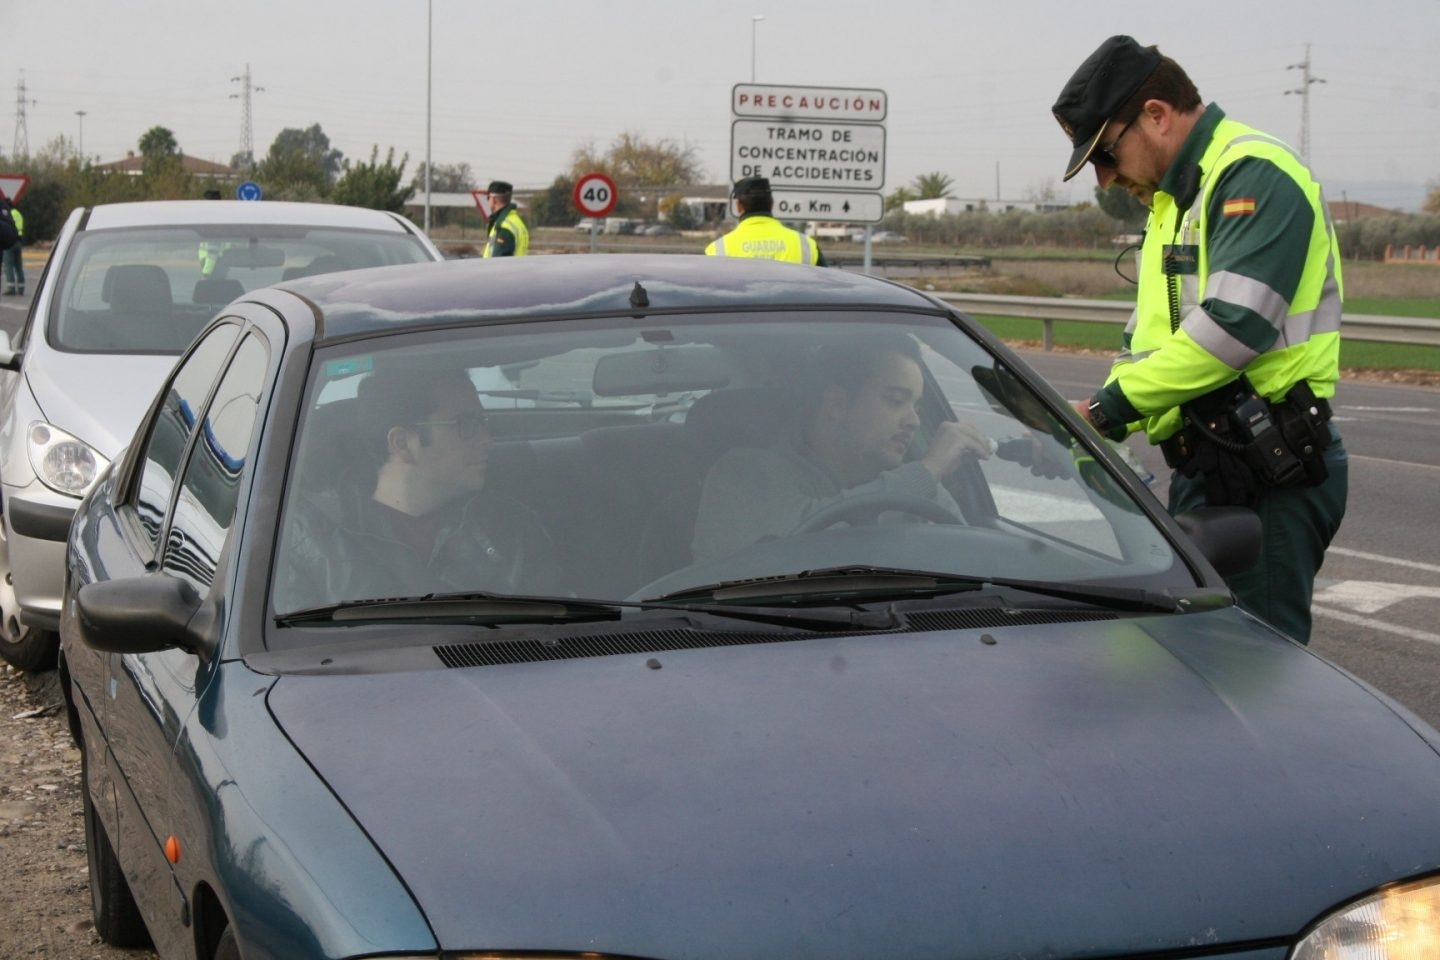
(1398, 923)
(61, 462)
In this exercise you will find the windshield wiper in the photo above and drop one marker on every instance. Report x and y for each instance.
(852, 582)
(491, 607)
(499, 608)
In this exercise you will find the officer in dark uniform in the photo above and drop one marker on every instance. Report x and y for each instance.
(508, 235)
(1232, 353)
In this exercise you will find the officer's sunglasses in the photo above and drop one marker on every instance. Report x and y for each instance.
(467, 425)
(1105, 156)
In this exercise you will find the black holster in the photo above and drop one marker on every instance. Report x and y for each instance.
(1241, 444)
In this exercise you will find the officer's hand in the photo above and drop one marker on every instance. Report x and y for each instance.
(1030, 451)
(952, 441)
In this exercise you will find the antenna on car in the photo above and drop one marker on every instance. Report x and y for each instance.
(638, 296)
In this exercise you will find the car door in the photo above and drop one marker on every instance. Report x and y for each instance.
(199, 435)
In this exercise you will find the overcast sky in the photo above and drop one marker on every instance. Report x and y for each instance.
(518, 87)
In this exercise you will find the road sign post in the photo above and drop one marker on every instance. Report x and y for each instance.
(595, 196)
(821, 148)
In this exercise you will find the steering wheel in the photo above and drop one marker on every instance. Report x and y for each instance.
(866, 508)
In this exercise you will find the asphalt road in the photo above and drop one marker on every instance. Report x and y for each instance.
(1377, 603)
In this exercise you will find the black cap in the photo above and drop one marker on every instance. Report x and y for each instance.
(499, 186)
(1098, 90)
(750, 186)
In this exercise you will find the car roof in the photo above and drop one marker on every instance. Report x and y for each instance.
(149, 213)
(359, 302)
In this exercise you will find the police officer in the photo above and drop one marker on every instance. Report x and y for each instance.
(1236, 330)
(759, 235)
(508, 235)
(13, 258)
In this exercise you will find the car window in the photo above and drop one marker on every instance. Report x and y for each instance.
(151, 290)
(210, 484)
(165, 443)
(1055, 499)
(628, 457)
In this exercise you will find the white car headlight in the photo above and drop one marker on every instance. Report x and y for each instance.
(61, 462)
(1398, 923)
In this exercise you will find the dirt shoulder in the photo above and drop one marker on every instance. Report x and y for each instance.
(44, 880)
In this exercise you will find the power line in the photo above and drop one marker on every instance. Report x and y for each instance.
(1304, 92)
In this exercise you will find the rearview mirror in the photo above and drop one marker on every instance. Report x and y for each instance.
(1009, 396)
(252, 256)
(674, 369)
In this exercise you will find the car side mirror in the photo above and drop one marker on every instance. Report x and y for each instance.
(142, 614)
(1229, 537)
(9, 358)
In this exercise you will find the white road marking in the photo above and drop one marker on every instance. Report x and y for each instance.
(1395, 463)
(1028, 506)
(1381, 558)
(1372, 624)
(1371, 596)
(1350, 408)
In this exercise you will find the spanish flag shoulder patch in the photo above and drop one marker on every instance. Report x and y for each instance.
(1240, 206)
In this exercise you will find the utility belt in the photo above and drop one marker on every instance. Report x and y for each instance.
(1243, 444)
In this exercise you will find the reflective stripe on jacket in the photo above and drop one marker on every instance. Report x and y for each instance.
(762, 237)
(1233, 319)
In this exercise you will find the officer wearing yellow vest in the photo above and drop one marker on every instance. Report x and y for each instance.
(1232, 353)
(13, 257)
(759, 235)
(508, 234)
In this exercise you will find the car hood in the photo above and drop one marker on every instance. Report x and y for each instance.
(99, 398)
(1103, 788)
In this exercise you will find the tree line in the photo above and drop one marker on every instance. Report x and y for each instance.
(302, 165)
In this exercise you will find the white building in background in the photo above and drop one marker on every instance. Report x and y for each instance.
(975, 204)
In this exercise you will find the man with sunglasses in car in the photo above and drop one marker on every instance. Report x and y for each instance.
(422, 521)
(1233, 349)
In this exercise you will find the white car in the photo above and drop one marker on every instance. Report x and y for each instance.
(127, 287)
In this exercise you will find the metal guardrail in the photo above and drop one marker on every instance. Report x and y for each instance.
(1416, 331)
(888, 260)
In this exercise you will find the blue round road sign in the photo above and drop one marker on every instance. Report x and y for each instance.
(249, 190)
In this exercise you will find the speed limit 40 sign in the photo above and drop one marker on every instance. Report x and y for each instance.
(594, 195)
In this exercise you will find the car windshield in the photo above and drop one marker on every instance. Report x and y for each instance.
(631, 458)
(151, 289)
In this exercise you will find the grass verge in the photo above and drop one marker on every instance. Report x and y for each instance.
(1354, 354)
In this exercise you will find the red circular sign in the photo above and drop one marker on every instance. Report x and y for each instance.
(595, 195)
